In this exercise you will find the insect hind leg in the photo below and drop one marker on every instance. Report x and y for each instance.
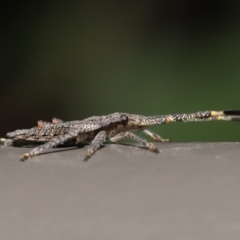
(52, 143)
(6, 142)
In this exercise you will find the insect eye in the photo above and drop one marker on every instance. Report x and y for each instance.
(124, 118)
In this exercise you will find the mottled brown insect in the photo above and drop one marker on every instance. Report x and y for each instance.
(97, 129)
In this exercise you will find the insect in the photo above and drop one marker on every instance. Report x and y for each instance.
(97, 129)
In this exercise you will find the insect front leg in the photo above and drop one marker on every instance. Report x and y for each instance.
(95, 144)
(155, 136)
(148, 145)
(52, 143)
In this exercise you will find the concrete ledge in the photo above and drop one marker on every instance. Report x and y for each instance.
(189, 191)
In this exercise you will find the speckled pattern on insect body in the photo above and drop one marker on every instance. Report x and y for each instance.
(97, 129)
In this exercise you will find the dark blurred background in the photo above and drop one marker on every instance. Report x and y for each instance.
(76, 59)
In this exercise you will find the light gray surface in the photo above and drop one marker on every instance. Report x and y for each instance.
(189, 191)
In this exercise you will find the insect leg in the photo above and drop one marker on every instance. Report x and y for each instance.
(81, 138)
(155, 136)
(6, 142)
(150, 146)
(95, 144)
(52, 143)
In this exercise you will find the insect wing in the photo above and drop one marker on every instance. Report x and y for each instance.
(91, 126)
